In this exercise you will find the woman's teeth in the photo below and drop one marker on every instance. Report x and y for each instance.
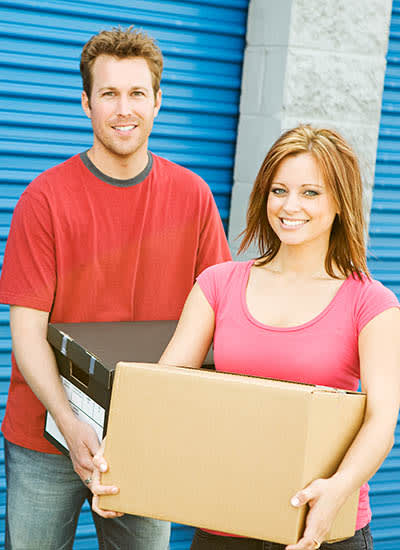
(292, 223)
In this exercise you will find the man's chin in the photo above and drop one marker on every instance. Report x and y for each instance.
(124, 152)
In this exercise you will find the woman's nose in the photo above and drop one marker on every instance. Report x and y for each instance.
(292, 203)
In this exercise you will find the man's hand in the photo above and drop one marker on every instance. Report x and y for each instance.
(99, 466)
(83, 444)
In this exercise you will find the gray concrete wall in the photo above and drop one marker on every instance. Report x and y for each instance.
(309, 61)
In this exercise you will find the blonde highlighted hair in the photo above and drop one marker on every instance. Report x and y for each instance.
(121, 43)
(339, 168)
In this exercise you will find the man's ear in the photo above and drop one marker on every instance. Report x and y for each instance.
(157, 102)
(86, 104)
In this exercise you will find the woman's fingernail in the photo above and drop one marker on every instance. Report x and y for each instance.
(295, 501)
(114, 490)
(103, 467)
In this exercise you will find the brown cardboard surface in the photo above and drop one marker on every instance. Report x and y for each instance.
(224, 452)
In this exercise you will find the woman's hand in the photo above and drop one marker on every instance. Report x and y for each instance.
(324, 498)
(99, 466)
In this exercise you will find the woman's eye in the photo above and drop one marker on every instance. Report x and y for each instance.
(277, 191)
(311, 193)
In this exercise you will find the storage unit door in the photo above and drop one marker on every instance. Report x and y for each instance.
(384, 262)
(40, 44)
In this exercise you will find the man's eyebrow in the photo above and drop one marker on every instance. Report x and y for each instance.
(135, 87)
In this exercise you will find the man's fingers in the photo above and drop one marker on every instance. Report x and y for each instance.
(100, 463)
(92, 443)
(82, 459)
(104, 513)
(83, 463)
(85, 475)
(98, 489)
(98, 460)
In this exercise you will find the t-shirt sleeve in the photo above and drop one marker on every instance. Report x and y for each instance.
(207, 283)
(213, 280)
(213, 246)
(373, 300)
(28, 276)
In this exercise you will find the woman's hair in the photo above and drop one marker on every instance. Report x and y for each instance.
(339, 168)
(121, 43)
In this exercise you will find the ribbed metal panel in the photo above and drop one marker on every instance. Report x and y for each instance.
(40, 44)
(384, 262)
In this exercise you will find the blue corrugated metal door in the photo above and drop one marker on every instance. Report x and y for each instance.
(40, 43)
(384, 262)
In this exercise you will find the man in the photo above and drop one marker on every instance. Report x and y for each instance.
(113, 234)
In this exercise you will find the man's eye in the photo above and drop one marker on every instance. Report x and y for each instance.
(137, 93)
(108, 94)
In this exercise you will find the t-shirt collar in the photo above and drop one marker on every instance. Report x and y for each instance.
(114, 181)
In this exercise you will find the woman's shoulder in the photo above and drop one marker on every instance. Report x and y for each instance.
(369, 298)
(221, 281)
(227, 269)
(369, 289)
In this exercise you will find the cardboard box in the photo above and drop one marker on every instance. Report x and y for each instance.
(86, 355)
(225, 452)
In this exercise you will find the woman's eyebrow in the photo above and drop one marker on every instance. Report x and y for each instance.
(277, 182)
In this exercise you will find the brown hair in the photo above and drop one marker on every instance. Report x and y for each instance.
(121, 43)
(340, 170)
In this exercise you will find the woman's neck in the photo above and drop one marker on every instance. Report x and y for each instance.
(306, 262)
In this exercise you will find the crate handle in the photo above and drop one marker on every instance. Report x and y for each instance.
(78, 375)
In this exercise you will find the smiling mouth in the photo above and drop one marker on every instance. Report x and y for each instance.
(292, 223)
(125, 128)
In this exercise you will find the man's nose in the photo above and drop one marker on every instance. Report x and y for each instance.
(123, 105)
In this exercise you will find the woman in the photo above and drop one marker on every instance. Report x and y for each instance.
(306, 310)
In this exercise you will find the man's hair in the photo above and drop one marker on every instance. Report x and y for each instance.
(339, 168)
(122, 44)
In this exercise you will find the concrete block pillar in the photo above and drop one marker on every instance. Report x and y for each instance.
(308, 61)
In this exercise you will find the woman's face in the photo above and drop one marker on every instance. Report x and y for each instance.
(300, 206)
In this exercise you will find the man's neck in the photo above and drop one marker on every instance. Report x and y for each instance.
(118, 166)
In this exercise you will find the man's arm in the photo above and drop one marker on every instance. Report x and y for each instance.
(36, 361)
(213, 245)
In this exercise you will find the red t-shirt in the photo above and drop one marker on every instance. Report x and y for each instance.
(89, 248)
(323, 351)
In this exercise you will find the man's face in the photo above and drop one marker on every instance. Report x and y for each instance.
(122, 106)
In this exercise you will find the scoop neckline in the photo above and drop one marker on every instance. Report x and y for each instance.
(254, 321)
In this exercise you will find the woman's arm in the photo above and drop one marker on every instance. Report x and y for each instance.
(194, 333)
(379, 351)
(188, 347)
